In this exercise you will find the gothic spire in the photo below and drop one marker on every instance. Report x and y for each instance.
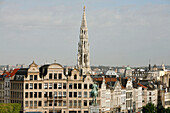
(84, 23)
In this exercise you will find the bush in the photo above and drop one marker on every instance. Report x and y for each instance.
(149, 108)
(10, 108)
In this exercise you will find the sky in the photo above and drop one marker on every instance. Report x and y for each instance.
(121, 32)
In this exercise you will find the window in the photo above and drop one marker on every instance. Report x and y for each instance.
(70, 86)
(60, 103)
(64, 86)
(85, 102)
(150, 93)
(75, 86)
(26, 86)
(60, 94)
(75, 94)
(59, 76)
(50, 85)
(55, 85)
(35, 85)
(85, 94)
(45, 85)
(31, 77)
(70, 102)
(50, 103)
(91, 96)
(75, 102)
(150, 99)
(55, 75)
(39, 103)
(64, 103)
(64, 94)
(55, 103)
(39, 94)
(70, 94)
(35, 94)
(50, 94)
(79, 86)
(90, 86)
(85, 86)
(31, 94)
(50, 76)
(75, 76)
(26, 94)
(45, 103)
(90, 103)
(35, 77)
(79, 103)
(59, 85)
(40, 86)
(45, 94)
(26, 103)
(31, 103)
(55, 94)
(31, 86)
(129, 95)
(79, 94)
(129, 103)
(35, 103)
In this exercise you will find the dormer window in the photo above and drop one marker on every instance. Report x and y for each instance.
(50, 76)
(75, 76)
(55, 75)
(35, 77)
(31, 77)
(60, 76)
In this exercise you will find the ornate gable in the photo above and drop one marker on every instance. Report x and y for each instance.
(88, 79)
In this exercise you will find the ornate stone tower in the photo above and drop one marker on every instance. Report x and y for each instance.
(83, 56)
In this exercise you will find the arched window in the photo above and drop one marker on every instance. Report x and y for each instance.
(75, 76)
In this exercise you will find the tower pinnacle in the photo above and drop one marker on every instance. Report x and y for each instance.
(84, 23)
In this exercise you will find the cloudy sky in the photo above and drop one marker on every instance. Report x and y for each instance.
(121, 32)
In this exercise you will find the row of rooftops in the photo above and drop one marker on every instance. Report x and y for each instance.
(145, 84)
(109, 80)
(110, 77)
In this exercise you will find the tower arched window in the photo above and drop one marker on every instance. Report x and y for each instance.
(75, 76)
(84, 44)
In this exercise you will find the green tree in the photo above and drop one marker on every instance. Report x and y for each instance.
(149, 108)
(167, 110)
(10, 108)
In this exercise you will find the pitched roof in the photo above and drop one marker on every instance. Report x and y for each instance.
(142, 85)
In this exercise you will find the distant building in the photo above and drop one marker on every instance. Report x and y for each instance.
(111, 73)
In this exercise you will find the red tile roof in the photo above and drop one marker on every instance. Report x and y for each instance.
(106, 79)
(10, 74)
(142, 85)
(14, 71)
